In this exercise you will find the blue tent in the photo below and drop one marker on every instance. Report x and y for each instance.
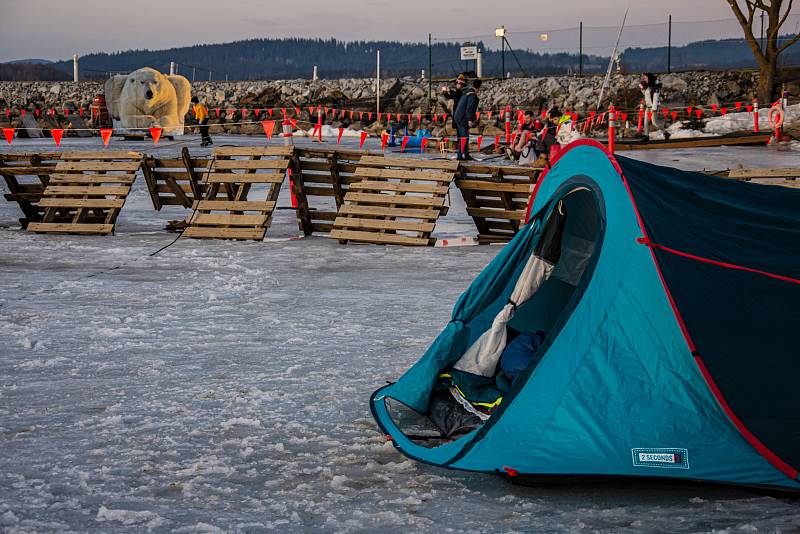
(670, 305)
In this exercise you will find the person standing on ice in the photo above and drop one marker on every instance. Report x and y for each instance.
(454, 93)
(465, 117)
(201, 114)
(651, 91)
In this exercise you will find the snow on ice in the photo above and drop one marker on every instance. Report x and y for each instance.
(223, 387)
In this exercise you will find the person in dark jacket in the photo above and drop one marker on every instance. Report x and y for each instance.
(465, 117)
(454, 93)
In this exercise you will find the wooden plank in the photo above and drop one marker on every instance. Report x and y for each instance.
(378, 224)
(89, 190)
(82, 202)
(24, 170)
(164, 188)
(224, 233)
(233, 205)
(375, 237)
(92, 178)
(242, 178)
(749, 174)
(398, 186)
(381, 211)
(231, 151)
(315, 166)
(249, 164)
(130, 166)
(496, 214)
(320, 191)
(400, 200)
(71, 228)
(412, 163)
(480, 185)
(100, 155)
(366, 172)
(228, 219)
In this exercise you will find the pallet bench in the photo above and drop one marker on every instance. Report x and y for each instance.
(224, 212)
(86, 191)
(26, 176)
(320, 180)
(496, 198)
(396, 201)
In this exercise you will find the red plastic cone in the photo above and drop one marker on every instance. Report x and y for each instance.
(269, 128)
(339, 137)
(363, 138)
(155, 131)
(8, 133)
(105, 134)
(57, 133)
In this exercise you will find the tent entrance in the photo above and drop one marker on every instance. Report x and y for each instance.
(513, 345)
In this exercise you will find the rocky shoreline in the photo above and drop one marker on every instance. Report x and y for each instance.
(405, 95)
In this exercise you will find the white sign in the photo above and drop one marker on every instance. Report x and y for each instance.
(469, 52)
(543, 37)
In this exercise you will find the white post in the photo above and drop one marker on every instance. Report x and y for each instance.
(314, 76)
(423, 75)
(74, 67)
(479, 65)
(378, 85)
(171, 68)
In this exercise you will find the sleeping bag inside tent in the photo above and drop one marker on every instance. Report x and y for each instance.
(642, 323)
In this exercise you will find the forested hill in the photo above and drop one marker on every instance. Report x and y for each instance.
(294, 58)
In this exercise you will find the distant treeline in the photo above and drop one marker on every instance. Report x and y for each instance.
(21, 72)
(294, 58)
(711, 55)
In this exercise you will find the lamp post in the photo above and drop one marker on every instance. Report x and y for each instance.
(501, 33)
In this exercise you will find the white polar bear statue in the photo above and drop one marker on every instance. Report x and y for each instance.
(146, 98)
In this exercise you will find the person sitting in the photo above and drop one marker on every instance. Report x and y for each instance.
(522, 149)
(546, 143)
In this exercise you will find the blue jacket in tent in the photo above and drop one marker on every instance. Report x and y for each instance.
(676, 355)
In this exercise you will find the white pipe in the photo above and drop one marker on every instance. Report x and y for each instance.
(314, 75)
(378, 85)
(171, 68)
(479, 65)
(74, 67)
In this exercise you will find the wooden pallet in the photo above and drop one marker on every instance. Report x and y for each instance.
(26, 176)
(86, 191)
(786, 177)
(175, 181)
(320, 181)
(496, 198)
(397, 201)
(225, 211)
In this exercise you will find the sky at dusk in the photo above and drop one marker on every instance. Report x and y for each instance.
(51, 29)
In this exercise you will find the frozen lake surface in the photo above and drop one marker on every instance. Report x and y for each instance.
(223, 387)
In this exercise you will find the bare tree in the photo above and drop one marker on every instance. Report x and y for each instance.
(767, 59)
